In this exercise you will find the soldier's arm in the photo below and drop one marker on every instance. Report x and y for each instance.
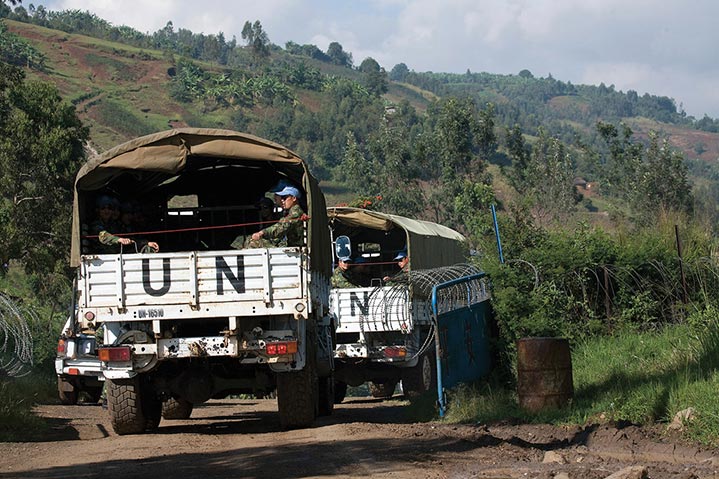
(107, 238)
(279, 229)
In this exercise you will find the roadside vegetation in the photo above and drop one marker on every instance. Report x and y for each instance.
(642, 377)
(644, 348)
(591, 215)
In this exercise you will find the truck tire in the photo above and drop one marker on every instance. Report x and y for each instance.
(326, 396)
(297, 396)
(67, 392)
(124, 401)
(340, 391)
(383, 390)
(176, 409)
(420, 378)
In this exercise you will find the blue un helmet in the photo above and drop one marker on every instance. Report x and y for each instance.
(290, 191)
(400, 255)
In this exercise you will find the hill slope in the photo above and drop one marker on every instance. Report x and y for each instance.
(122, 92)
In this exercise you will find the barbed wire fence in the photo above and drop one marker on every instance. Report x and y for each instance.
(16, 338)
(391, 299)
(614, 291)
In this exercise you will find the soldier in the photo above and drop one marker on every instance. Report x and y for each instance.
(288, 227)
(266, 209)
(403, 263)
(105, 206)
(107, 209)
(341, 275)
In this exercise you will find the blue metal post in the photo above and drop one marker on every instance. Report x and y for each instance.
(496, 234)
(437, 349)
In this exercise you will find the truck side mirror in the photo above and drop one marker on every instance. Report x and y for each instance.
(343, 247)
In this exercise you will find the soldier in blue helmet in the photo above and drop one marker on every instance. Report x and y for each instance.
(289, 228)
(402, 260)
(341, 277)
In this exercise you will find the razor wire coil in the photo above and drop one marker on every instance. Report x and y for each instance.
(16, 340)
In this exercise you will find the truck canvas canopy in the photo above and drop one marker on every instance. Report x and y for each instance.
(214, 165)
(429, 245)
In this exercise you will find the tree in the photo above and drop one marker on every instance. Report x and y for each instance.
(399, 72)
(519, 154)
(460, 133)
(41, 149)
(663, 179)
(257, 39)
(526, 74)
(356, 169)
(551, 172)
(374, 78)
(338, 56)
(622, 161)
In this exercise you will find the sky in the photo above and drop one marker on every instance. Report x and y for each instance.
(661, 47)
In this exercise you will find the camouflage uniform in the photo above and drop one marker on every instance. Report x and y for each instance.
(340, 279)
(104, 244)
(288, 228)
(401, 276)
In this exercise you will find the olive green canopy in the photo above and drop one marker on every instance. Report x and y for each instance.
(429, 245)
(162, 155)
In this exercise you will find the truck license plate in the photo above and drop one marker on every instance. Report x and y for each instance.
(151, 313)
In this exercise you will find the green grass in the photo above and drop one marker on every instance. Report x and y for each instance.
(634, 376)
(17, 398)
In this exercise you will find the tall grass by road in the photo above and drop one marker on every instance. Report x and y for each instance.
(641, 377)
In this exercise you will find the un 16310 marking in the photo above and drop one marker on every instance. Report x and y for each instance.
(151, 313)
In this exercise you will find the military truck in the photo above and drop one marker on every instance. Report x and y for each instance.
(384, 324)
(200, 319)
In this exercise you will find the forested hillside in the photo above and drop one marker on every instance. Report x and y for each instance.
(369, 133)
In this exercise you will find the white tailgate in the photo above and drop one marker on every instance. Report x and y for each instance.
(191, 278)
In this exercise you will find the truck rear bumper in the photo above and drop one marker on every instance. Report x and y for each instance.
(214, 346)
(394, 355)
(79, 367)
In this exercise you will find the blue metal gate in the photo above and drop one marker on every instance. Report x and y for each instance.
(460, 311)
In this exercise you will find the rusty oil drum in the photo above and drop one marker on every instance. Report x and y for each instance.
(544, 373)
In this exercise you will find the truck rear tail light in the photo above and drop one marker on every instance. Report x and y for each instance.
(73, 371)
(395, 352)
(279, 348)
(61, 347)
(114, 354)
(89, 315)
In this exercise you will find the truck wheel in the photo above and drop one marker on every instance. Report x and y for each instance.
(420, 378)
(340, 391)
(297, 398)
(176, 409)
(327, 396)
(67, 392)
(383, 390)
(125, 406)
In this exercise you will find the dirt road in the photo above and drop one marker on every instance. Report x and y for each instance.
(364, 438)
